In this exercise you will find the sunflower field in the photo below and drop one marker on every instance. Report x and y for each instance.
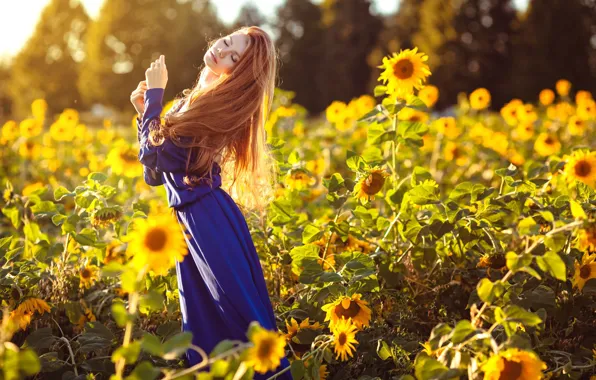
(403, 243)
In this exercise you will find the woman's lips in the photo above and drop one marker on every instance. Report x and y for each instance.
(213, 56)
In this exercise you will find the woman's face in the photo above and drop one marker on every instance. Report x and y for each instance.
(225, 52)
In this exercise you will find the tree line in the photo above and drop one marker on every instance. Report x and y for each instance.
(328, 50)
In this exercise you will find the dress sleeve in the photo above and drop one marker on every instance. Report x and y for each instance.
(166, 157)
(152, 177)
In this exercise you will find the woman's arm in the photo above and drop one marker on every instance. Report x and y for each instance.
(152, 177)
(166, 157)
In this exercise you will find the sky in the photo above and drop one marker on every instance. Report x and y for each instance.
(18, 18)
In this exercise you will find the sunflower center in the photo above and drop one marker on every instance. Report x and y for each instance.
(156, 239)
(129, 156)
(373, 183)
(511, 371)
(403, 69)
(549, 141)
(585, 271)
(582, 168)
(85, 273)
(264, 350)
(350, 312)
(342, 339)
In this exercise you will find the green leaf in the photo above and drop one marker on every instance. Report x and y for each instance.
(152, 301)
(462, 331)
(177, 345)
(297, 369)
(486, 290)
(517, 314)
(311, 233)
(221, 347)
(70, 224)
(44, 208)
(334, 183)
(377, 134)
(152, 344)
(120, 314)
(576, 210)
(419, 174)
(426, 367)
(14, 214)
(34, 234)
(86, 237)
(380, 90)
(424, 194)
(61, 192)
(129, 353)
(144, 371)
(383, 350)
(552, 263)
(29, 362)
(97, 176)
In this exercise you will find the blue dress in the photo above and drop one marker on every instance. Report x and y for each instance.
(221, 283)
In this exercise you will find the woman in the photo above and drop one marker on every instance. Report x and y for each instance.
(216, 128)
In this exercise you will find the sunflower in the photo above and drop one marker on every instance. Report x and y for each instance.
(514, 364)
(124, 160)
(411, 114)
(586, 109)
(30, 150)
(370, 184)
(547, 144)
(316, 166)
(10, 130)
(547, 96)
(365, 104)
(88, 275)
(581, 166)
(404, 72)
(454, 152)
(429, 94)
(447, 127)
(115, 251)
(267, 350)
(299, 180)
(30, 127)
(61, 131)
(525, 113)
(524, 132)
(576, 126)
(103, 217)
(335, 111)
(582, 95)
(587, 238)
(158, 242)
(480, 98)
(509, 111)
(584, 271)
(348, 307)
(70, 117)
(344, 333)
(39, 108)
(293, 327)
(23, 313)
(563, 86)
(323, 373)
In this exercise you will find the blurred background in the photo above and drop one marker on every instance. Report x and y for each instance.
(90, 54)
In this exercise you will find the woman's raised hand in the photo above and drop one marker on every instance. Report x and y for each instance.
(137, 98)
(157, 74)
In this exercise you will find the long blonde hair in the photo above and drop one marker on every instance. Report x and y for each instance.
(228, 117)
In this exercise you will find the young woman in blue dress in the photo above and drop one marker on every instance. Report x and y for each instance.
(213, 136)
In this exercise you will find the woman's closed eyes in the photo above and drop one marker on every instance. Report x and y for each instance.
(234, 57)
